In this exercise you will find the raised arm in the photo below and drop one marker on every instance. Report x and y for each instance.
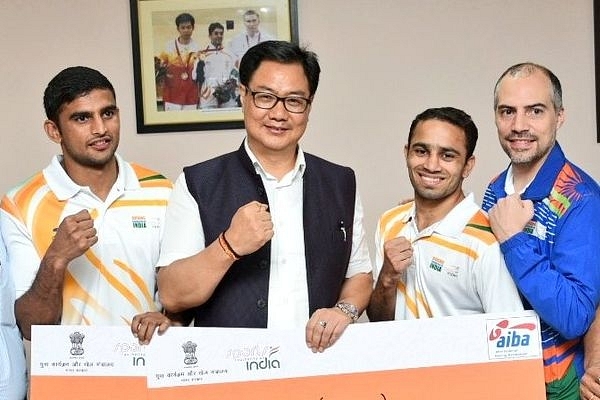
(42, 303)
(397, 256)
(572, 271)
(190, 280)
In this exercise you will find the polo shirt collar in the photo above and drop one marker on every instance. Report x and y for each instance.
(453, 224)
(64, 188)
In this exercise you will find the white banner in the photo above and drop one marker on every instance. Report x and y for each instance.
(485, 356)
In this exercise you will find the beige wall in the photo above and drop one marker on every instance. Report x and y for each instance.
(383, 62)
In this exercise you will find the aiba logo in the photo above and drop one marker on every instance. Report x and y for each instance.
(511, 336)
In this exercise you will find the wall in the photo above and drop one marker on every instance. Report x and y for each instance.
(383, 62)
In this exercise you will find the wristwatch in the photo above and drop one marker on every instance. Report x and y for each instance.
(349, 309)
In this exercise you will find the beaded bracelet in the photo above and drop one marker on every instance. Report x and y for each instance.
(227, 247)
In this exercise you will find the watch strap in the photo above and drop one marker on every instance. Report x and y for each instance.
(349, 309)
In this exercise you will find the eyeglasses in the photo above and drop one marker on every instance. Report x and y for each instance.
(266, 101)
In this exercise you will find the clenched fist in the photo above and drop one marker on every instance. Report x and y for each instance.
(397, 257)
(251, 227)
(74, 236)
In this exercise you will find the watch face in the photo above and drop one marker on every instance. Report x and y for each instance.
(350, 307)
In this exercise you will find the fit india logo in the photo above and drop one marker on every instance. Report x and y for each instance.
(267, 362)
(189, 349)
(77, 343)
(514, 339)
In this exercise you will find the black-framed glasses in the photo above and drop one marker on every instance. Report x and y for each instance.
(266, 101)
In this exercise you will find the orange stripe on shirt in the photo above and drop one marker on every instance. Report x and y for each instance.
(163, 183)
(19, 204)
(558, 370)
(113, 281)
(73, 293)
(425, 305)
(150, 178)
(46, 219)
(557, 350)
(25, 194)
(139, 282)
(392, 214)
(453, 246)
(137, 203)
(479, 227)
(411, 303)
(394, 231)
(11, 208)
(143, 173)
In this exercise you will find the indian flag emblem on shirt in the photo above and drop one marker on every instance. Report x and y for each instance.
(138, 221)
(436, 264)
(536, 229)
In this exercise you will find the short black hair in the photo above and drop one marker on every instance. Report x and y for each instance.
(453, 116)
(183, 18)
(213, 26)
(69, 84)
(282, 52)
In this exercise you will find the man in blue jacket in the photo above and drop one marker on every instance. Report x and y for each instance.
(542, 209)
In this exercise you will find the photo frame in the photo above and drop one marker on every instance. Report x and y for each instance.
(186, 82)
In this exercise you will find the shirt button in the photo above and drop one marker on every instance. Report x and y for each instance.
(261, 303)
(261, 192)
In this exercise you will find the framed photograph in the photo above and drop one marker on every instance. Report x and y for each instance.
(186, 55)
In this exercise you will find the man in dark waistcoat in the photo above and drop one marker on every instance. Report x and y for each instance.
(268, 236)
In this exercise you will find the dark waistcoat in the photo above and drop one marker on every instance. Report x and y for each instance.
(221, 185)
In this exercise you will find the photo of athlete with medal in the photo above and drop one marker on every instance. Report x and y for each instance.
(194, 69)
(178, 86)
